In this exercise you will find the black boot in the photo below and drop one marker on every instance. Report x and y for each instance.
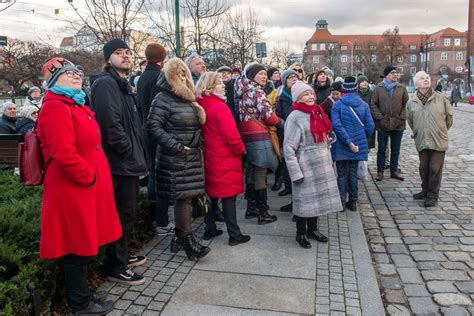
(352, 205)
(193, 249)
(278, 183)
(96, 308)
(252, 210)
(313, 231)
(303, 242)
(263, 216)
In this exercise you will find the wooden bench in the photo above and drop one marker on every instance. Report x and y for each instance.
(9, 150)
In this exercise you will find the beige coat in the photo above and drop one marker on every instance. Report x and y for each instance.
(430, 122)
(389, 112)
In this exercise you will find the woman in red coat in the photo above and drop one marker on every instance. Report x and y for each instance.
(223, 151)
(78, 211)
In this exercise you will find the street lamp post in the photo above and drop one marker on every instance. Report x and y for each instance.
(177, 35)
(352, 57)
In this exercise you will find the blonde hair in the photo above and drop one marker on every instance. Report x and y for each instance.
(206, 83)
(293, 65)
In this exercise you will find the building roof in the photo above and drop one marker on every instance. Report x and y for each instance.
(447, 32)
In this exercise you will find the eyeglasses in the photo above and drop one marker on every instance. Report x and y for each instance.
(123, 53)
(295, 77)
(298, 70)
(74, 73)
(36, 112)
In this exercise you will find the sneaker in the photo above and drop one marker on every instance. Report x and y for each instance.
(127, 277)
(166, 230)
(135, 261)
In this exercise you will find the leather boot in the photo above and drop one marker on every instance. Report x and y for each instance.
(252, 210)
(263, 216)
(397, 176)
(193, 249)
(379, 176)
(278, 183)
(303, 241)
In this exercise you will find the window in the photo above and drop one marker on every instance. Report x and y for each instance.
(331, 46)
(457, 42)
(459, 69)
(447, 42)
(358, 47)
(413, 58)
(343, 71)
(400, 59)
(315, 59)
(400, 70)
(373, 58)
(343, 59)
(314, 46)
(459, 56)
(444, 56)
(373, 47)
(422, 57)
(412, 71)
(428, 56)
(322, 46)
(357, 58)
(343, 47)
(412, 47)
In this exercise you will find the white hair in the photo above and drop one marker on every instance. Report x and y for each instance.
(418, 75)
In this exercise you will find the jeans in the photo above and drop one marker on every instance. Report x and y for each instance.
(230, 217)
(431, 171)
(75, 279)
(395, 144)
(126, 195)
(160, 214)
(347, 179)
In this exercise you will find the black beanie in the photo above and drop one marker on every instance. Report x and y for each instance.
(111, 46)
(271, 71)
(388, 70)
(336, 86)
(253, 70)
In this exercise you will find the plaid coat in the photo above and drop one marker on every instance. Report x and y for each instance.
(318, 193)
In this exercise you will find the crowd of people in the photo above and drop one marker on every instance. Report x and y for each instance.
(218, 133)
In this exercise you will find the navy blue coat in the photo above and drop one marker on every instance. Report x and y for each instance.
(348, 129)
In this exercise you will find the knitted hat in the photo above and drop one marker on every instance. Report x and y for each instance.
(5, 105)
(285, 74)
(336, 86)
(224, 68)
(111, 46)
(361, 79)
(388, 70)
(328, 71)
(349, 85)
(155, 53)
(190, 59)
(27, 111)
(271, 71)
(33, 89)
(315, 78)
(253, 70)
(298, 89)
(54, 67)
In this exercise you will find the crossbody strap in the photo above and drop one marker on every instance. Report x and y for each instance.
(356, 116)
(255, 119)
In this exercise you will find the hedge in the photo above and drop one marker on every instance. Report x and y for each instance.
(20, 214)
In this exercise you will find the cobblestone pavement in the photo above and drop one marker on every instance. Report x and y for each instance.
(270, 275)
(424, 256)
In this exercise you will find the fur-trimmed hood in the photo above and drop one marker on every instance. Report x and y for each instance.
(170, 82)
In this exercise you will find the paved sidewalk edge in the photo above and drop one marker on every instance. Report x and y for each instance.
(370, 299)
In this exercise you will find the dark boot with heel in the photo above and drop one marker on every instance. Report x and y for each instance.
(264, 216)
(252, 210)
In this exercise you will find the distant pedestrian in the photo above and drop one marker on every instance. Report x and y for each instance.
(352, 123)
(430, 116)
(439, 87)
(274, 75)
(196, 65)
(9, 117)
(388, 107)
(26, 119)
(309, 164)
(321, 86)
(34, 97)
(336, 92)
(455, 96)
(366, 94)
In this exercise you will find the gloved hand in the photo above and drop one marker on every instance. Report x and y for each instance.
(332, 138)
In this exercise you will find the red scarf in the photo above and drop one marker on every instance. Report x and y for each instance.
(318, 121)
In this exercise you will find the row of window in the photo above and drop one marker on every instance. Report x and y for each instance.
(344, 70)
(400, 59)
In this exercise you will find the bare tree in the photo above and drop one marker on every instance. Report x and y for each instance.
(392, 42)
(279, 56)
(92, 62)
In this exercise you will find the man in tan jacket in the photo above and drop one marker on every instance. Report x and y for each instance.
(429, 115)
(388, 107)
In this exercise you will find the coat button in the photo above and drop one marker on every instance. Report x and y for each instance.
(89, 117)
(75, 105)
(98, 131)
(97, 148)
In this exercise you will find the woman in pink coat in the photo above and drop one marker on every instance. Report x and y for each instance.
(223, 151)
(78, 213)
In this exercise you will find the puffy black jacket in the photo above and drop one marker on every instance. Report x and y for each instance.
(147, 89)
(7, 125)
(116, 113)
(322, 92)
(284, 105)
(174, 123)
(23, 125)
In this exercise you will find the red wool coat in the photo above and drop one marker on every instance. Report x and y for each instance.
(223, 149)
(78, 215)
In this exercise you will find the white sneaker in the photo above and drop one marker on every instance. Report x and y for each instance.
(166, 230)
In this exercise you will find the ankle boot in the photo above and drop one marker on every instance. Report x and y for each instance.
(263, 216)
(252, 210)
(278, 183)
(193, 249)
(175, 244)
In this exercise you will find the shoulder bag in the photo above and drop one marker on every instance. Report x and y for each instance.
(272, 131)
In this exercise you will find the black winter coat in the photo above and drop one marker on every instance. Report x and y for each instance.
(284, 105)
(114, 104)
(230, 101)
(147, 90)
(7, 125)
(322, 92)
(174, 123)
(24, 125)
(367, 96)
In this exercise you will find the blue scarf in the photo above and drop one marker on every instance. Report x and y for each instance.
(390, 86)
(78, 96)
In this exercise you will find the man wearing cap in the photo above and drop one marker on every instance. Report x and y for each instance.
(336, 92)
(197, 66)
(226, 75)
(116, 112)
(388, 106)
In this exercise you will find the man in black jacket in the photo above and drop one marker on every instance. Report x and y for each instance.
(147, 90)
(226, 74)
(116, 112)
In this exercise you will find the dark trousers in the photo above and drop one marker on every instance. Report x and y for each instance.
(183, 216)
(229, 206)
(431, 171)
(126, 195)
(305, 225)
(395, 144)
(75, 279)
(347, 179)
(161, 212)
(286, 176)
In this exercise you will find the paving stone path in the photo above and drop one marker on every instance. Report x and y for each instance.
(424, 256)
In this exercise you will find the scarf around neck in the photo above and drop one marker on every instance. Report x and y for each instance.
(318, 121)
(424, 97)
(78, 96)
(390, 86)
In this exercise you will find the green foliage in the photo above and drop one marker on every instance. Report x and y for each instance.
(20, 216)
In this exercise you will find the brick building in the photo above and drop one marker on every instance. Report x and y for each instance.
(442, 54)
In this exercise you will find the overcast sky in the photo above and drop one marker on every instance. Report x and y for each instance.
(291, 21)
